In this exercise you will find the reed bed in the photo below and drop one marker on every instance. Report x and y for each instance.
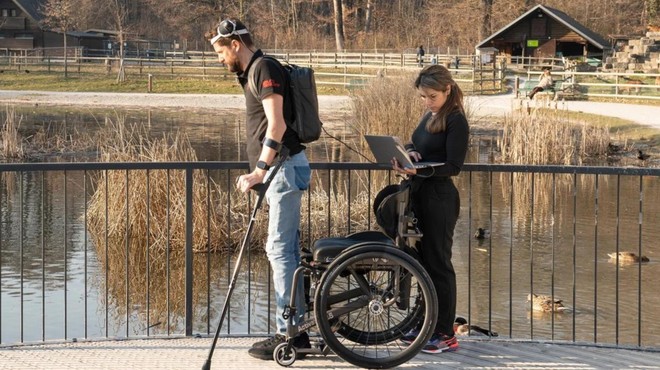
(549, 137)
(156, 197)
(12, 140)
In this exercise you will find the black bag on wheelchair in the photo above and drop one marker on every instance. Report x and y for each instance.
(386, 206)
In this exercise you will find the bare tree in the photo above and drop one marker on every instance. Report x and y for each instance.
(339, 25)
(368, 15)
(61, 15)
(486, 26)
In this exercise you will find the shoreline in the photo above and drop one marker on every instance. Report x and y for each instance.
(327, 103)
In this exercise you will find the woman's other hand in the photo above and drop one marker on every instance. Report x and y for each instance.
(405, 171)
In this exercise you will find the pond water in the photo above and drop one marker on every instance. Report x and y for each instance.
(54, 284)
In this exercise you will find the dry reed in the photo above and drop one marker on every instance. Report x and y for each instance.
(547, 137)
(163, 208)
(12, 141)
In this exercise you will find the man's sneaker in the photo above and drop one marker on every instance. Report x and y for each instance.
(264, 349)
(410, 337)
(279, 338)
(440, 343)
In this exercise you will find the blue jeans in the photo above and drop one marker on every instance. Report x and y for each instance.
(282, 246)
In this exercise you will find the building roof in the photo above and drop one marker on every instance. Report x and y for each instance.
(560, 17)
(31, 7)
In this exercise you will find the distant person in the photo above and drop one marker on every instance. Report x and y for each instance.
(545, 82)
(420, 55)
(457, 62)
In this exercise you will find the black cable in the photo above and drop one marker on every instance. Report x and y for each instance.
(347, 146)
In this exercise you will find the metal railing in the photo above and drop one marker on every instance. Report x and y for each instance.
(550, 228)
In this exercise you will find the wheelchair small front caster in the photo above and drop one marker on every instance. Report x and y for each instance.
(282, 358)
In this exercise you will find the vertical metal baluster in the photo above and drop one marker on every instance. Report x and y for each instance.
(616, 293)
(596, 210)
(639, 266)
(329, 199)
(511, 237)
(126, 262)
(188, 269)
(531, 260)
(574, 286)
(66, 277)
(167, 254)
(348, 199)
(229, 254)
(148, 256)
(368, 197)
(1, 226)
(490, 252)
(552, 268)
(208, 250)
(43, 262)
(107, 267)
(85, 251)
(20, 235)
(469, 277)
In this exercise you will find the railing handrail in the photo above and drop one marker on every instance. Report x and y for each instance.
(207, 165)
(189, 167)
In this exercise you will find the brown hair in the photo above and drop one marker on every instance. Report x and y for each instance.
(437, 77)
(226, 41)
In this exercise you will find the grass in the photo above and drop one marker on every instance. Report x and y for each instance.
(135, 83)
(620, 129)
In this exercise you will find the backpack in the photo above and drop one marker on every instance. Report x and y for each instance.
(306, 122)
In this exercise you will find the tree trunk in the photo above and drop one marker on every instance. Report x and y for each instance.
(339, 25)
(486, 28)
(368, 15)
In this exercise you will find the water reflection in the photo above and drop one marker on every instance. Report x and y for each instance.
(548, 233)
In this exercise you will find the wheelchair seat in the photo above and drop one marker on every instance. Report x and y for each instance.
(326, 249)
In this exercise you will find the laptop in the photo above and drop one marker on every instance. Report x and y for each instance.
(385, 148)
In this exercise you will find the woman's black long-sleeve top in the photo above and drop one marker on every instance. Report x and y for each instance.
(448, 147)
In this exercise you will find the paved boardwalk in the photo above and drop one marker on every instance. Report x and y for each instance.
(231, 353)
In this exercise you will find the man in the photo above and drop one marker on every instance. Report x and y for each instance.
(420, 56)
(267, 132)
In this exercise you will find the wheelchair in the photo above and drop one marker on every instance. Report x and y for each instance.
(364, 291)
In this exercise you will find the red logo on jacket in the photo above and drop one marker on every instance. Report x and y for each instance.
(270, 83)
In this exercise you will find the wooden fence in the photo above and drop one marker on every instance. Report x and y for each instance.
(475, 74)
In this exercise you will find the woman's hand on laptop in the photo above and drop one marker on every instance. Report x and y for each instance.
(405, 171)
(415, 156)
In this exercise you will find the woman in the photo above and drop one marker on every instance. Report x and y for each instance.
(545, 82)
(441, 136)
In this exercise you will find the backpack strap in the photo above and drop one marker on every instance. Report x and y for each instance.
(252, 85)
(251, 79)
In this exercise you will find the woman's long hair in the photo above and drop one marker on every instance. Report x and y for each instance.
(437, 77)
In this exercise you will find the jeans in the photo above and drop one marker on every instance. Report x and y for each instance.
(282, 246)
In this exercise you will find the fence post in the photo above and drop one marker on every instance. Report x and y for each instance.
(150, 82)
(189, 252)
(516, 86)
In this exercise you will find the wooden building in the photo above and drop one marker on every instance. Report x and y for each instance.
(21, 30)
(546, 32)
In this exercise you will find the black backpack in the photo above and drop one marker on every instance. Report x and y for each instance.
(306, 122)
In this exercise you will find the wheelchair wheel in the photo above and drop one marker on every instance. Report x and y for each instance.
(371, 296)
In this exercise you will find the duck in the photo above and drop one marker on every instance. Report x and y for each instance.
(627, 257)
(545, 303)
(462, 328)
(613, 148)
(642, 156)
(481, 233)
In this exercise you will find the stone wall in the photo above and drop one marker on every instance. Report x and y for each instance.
(637, 55)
